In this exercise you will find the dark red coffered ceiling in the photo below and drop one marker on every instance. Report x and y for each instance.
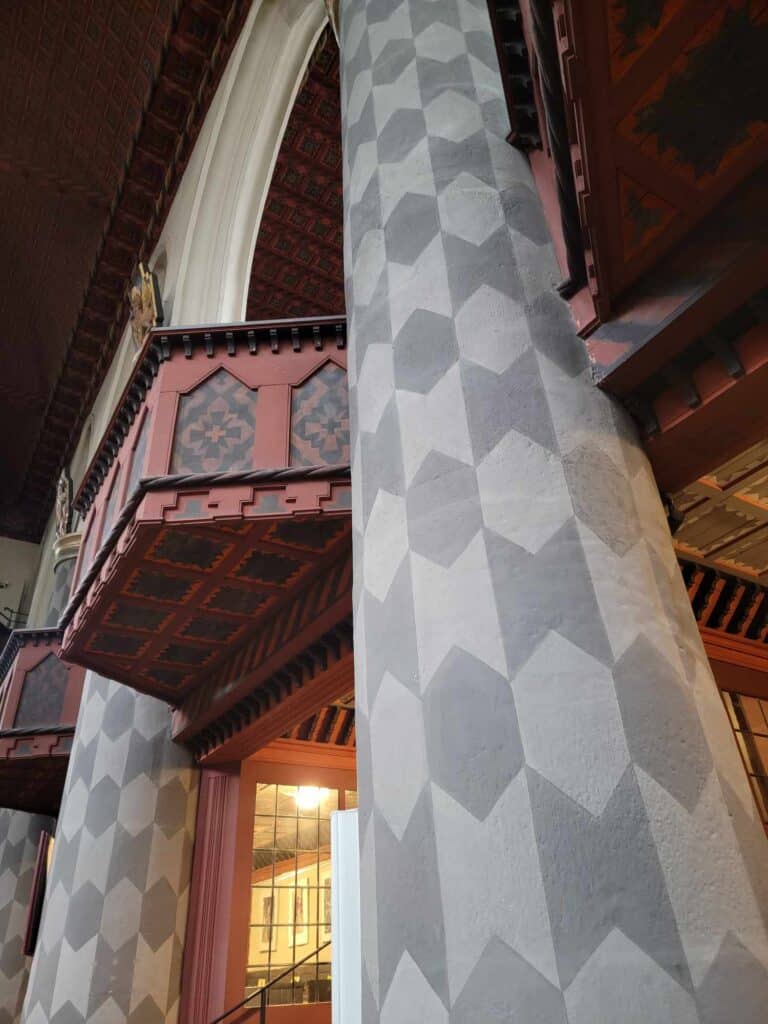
(298, 263)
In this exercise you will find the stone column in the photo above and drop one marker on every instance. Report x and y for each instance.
(64, 559)
(111, 938)
(19, 836)
(555, 824)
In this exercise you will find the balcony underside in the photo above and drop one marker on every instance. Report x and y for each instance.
(33, 767)
(198, 574)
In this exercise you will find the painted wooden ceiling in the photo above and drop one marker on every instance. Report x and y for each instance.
(670, 111)
(102, 101)
(298, 263)
(725, 516)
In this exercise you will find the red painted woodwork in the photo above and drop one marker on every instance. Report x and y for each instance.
(288, 712)
(37, 893)
(192, 571)
(39, 701)
(104, 102)
(739, 665)
(731, 416)
(213, 896)
(639, 84)
(718, 268)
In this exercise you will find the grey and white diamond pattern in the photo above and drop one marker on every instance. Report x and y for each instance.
(19, 838)
(554, 821)
(112, 931)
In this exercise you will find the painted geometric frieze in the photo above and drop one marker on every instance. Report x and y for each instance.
(320, 419)
(687, 117)
(532, 697)
(644, 215)
(215, 427)
(42, 694)
(633, 25)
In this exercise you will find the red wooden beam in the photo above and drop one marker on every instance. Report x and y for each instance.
(732, 415)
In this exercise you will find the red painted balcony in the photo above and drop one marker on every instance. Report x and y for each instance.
(39, 701)
(217, 510)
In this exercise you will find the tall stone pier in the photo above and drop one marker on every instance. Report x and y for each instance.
(112, 933)
(555, 824)
(19, 840)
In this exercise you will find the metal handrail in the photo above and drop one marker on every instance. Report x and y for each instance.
(262, 992)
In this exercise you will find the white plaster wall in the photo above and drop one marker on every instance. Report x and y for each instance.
(41, 584)
(210, 235)
(203, 256)
(18, 562)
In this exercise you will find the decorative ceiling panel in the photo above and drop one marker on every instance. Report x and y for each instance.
(670, 113)
(298, 263)
(725, 516)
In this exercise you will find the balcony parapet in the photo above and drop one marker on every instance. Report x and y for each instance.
(39, 701)
(218, 507)
(257, 338)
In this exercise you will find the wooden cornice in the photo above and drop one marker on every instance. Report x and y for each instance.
(173, 115)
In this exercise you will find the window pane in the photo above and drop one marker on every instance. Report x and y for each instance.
(286, 800)
(265, 799)
(758, 791)
(761, 747)
(753, 714)
(264, 833)
(324, 835)
(350, 799)
(307, 839)
(748, 718)
(285, 868)
(285, 833)
(290, 906)
(309, 800)
(329, 802)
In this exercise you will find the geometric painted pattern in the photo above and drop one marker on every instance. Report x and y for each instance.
(215, 428)
(567, 799)
(19, 835)
(112, 930)
(42, 694)
(320, 419)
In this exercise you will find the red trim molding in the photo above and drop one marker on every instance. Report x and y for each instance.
(39, 879)
(209, 921)
(738, 665)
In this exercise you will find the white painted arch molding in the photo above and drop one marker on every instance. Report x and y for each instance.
(231, 169)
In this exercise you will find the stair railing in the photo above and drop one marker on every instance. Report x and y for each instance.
(264, 990)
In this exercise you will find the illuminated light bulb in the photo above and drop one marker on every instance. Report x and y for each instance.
(309, 797)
